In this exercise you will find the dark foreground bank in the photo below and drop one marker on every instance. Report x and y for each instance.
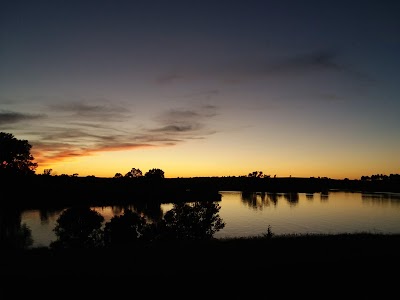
(313, 266)
(371, 255)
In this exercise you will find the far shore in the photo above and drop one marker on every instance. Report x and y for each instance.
(40, 191)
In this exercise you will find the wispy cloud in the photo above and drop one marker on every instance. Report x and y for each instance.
(295, 65)
(201, 95)
(89, 129)
(168, 78)
(11, 117)
(257, 67)
(321, 60)
(177, 121)
(105, 112)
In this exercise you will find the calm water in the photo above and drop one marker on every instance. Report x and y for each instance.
(250, 214)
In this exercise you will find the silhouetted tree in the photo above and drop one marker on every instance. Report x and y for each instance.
(78, 227)
(134, 173)
(47, 172)
(118, 175)
(15, 156)
(154, 174)
(193, 221)
(124, 229)
(256, 174)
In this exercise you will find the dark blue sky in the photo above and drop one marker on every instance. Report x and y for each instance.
(203, 88)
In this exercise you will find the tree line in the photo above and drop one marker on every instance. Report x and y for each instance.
(16, 160)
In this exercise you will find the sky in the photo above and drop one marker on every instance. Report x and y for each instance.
(204, 88)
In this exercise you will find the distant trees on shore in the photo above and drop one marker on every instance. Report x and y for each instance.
(154, 173)
(381, 177)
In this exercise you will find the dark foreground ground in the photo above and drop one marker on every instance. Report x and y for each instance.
(321, 266)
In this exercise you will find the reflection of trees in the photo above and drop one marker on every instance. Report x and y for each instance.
(324, 196)
(117, 209)
(309, 196)
(381, 199)
(13, 234)
(151, 209)
(273, 197)
(292, 198)
(46, 214)
(256, 200)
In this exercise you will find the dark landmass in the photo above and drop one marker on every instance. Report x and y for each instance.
(303, 264)
(61, 191)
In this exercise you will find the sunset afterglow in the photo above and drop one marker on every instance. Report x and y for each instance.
(203, 88)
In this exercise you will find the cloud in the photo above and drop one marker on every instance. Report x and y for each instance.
(316, 61)
(208, 94)
(263, 67)
(168, 78)
(10, 117)
(295, 65)
(175, 128)
(47, 153)
(75, 139)
(106, 112)
(198, 96)
(176, 121)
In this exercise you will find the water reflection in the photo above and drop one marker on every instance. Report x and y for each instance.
(344, 212)
(255, 200)
(151, 210)
(273, 197)
(291, 198)
(324, 196)
(309, 196)
(381, 198)
(13, 233)
(260, 200)
(47, 214)
(82, 226)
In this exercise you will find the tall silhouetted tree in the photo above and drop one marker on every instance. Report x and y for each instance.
(191, 221)
(78, 227)
(15, 156)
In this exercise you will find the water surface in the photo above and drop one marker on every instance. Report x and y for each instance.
(250, 214)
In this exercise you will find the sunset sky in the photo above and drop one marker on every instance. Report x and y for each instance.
(204, 88)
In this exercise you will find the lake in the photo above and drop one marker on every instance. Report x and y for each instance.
(250, 214)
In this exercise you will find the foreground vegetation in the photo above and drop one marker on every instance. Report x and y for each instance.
(288, 255)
